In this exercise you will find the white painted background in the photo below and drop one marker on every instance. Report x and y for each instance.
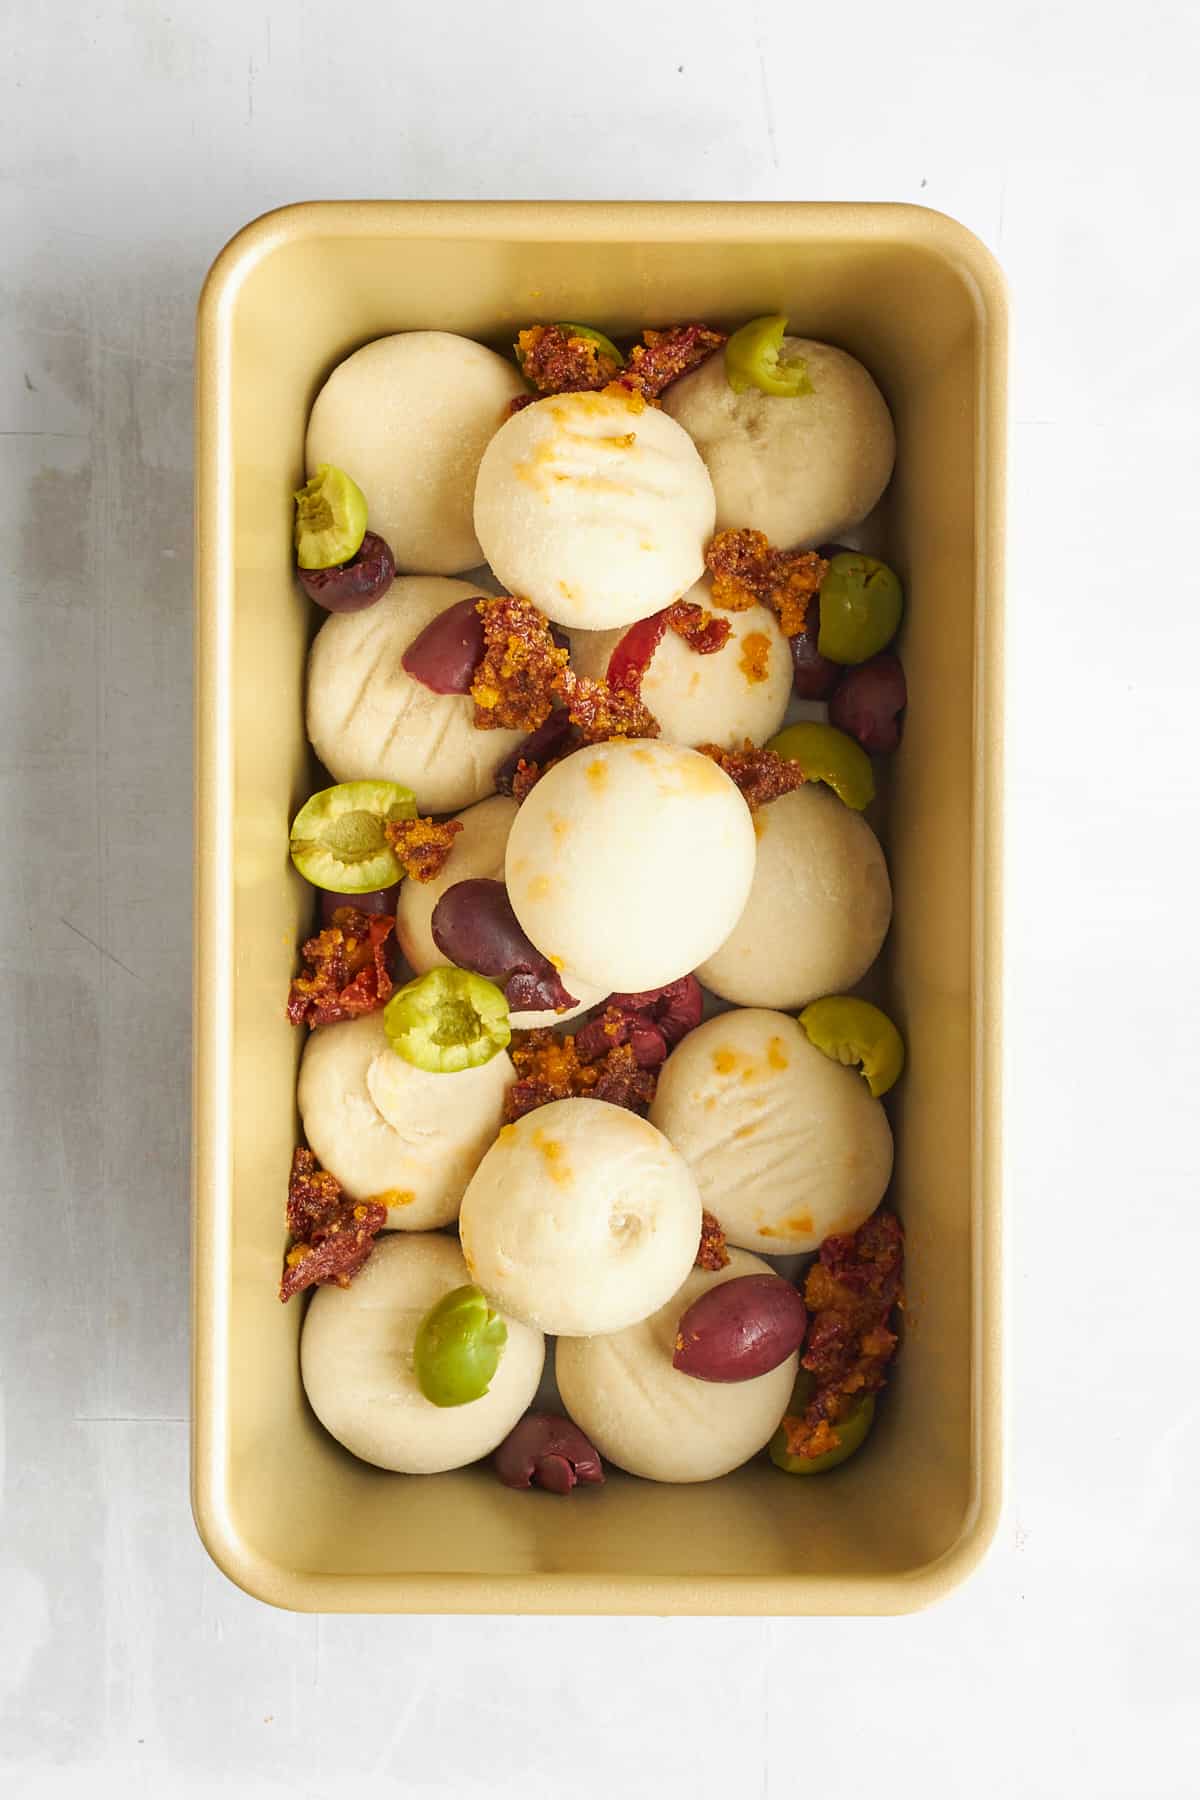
(136, 137)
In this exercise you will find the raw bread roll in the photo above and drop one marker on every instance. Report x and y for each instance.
(787, 1146)
(740, 691)
(478, 854)
(630, 862)
(409, 417)
(580, 1218)
(819, 907)
(393, 1133)
(369, 720)
(801, 469)
(594, 507)
(356, 1360)
(647, 1417)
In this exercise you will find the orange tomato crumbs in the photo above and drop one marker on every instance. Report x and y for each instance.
(422, 846)
(746, 568)
(762, 775)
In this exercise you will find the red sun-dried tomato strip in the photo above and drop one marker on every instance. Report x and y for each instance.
(559, 361)
(712, 1253)
(761, 774)
(347, 965)
(850, 1292)
(664, 356)
(333, 1235)
(698, 628)
(745, 568)
(520, 677)
(422, 846)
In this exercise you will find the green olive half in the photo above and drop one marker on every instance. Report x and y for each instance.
(861, 604)
(447, 1020)
(855, 1033)
(752, 360)
(829, 755)
(331, 519)
(852, 1430)
(338, 841)
(457, 1348)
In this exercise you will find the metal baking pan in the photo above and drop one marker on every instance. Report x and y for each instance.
(283, 1510)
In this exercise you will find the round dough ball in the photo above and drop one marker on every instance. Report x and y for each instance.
(642, 1414)
(630, 862)
(369, 720)
(802, 469)
(478, 854)
(394, 1133)
(580, 1218)
(408, 418)
(819, 907)
(356, 1361)
(595, 510)
(787, 1145)
(739, 692)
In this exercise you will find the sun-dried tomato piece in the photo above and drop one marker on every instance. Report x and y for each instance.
(745, 568)
(712, 1253)
(622, 1081)
(698, 628)
(422, 846)
(601, 712)
(666, 355)
(558, 360)
(850, 1292)
(550, 1068)
(520, 677)
(761, 774)
(348, 973)
(333, 1235)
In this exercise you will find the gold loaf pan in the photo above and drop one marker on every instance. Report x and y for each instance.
(282, 1509)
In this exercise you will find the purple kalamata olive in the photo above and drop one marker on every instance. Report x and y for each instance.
(869, 701)
(546, 1451)
(351, 586)
(445, 655)
(740, 1329)
(814, 677)
(380, 900)
(651, 1022)
(475, 926)
(549, 740)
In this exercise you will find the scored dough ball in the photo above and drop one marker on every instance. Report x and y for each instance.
(647, 1417)
(408, 418)
(787, 1145)
(393, 1133)
(740, 691)
(580, 1218)
(477, 854)
(631, 862)
(819, 907)
(801, 469)
(369, 720)
(595, 510)
(356, 1361)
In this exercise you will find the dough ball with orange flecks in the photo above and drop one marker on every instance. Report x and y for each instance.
(581, 1218)
(596, 507)
(630, 863)
(740, 691)
(787, 1146)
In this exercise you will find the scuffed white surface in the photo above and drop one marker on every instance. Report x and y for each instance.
(138, 137)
